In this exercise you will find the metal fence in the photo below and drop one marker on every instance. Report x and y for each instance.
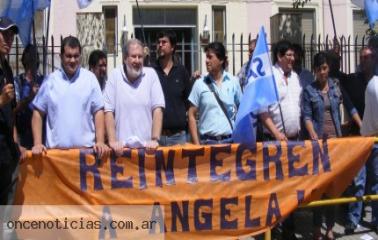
(237, 49)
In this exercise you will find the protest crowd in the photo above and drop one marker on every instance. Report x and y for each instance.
(139, 106)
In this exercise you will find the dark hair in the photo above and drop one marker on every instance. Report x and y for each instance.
(281, 48)
(252, 41)
(171, 35)
(320, 58)
(30, 57)
(333, 63)
(94, 57)
(70, 41)
(219, 51)
(297, 48)
(373, 42)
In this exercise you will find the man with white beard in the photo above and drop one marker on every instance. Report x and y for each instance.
(134, 102)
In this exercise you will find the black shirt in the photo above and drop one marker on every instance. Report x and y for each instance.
(176, 87)
(8, 149)
(355, 86)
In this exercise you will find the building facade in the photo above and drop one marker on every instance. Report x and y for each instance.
(105, 24)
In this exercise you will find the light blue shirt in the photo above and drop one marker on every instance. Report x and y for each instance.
(212, 120)
(69, 105)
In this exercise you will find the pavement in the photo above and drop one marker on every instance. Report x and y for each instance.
(303, 224)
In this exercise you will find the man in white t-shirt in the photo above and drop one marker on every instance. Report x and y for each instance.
(134, 102)
(286, 126)
(370, 128)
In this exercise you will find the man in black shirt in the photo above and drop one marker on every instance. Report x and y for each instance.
(355, 86)
(98, 65)
(176, 86)
(356, 83)
(9, 152)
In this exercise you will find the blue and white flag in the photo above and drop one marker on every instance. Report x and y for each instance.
(259, 93)
(371, 10)
(84, 3)
(22, 12)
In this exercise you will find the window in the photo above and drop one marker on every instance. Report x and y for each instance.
(219, 23)
(165, 16)
(292, 24)
(110, 14)
(181, 20)
(39, 25)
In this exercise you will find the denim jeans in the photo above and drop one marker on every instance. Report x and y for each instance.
(9, 177)
(328, 212)
(372, 178)
(175, 139)
(206, 141)
(9, 174)
(357, 189)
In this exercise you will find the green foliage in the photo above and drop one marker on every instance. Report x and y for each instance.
(300, 3)
(371, 32)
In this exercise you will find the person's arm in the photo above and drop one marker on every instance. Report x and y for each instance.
(306, 111)
(157, 124)
(37, 121)
(350, 107)
(22, 149)
(23, 103)
(268, 123)
(192, 113)
(100, 147)
(188, 88)
(357, 119)
(7, 94)
(310, 129)
(110, 130)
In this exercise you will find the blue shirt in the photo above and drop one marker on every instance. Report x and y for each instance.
(23, 90)
(69, 105)
(212, 120)
(313, 106)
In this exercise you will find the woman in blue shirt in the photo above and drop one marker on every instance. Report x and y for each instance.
(215, 99)
(322, 118)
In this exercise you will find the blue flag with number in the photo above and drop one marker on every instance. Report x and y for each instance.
(371, 10)
(22, 12)
(259, 93)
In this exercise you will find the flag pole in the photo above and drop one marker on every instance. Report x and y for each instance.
(276, 91)
(333, 19)
(47, 41)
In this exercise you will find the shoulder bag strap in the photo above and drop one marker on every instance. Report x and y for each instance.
(219, 101)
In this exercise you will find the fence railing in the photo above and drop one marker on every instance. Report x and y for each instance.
(190, 52)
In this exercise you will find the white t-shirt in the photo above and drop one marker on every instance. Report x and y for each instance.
(370, 121)
(290, 100)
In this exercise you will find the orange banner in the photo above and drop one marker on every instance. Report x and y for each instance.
(219, 191)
